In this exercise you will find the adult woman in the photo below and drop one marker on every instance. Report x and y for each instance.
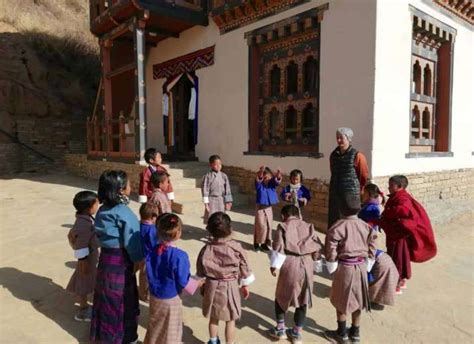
(349, 173)
(115, 310)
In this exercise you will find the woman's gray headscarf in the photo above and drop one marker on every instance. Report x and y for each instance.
(347, 132)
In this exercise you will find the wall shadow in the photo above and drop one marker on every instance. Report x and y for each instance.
(46, 297)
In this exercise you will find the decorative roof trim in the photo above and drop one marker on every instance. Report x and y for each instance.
(186, 63)
(235, 14)
(463, 9)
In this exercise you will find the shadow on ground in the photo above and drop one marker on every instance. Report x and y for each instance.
(46, 297)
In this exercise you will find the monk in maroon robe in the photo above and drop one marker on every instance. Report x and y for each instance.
(408, 230)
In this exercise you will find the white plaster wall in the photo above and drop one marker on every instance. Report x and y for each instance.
(392, 98)
(346, 86)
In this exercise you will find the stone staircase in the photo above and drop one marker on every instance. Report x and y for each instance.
(186, 178)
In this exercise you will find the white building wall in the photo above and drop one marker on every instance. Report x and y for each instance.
(346, 86)
(392, 97)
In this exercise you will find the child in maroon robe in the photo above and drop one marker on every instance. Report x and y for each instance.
(408, 230)
(145, 190)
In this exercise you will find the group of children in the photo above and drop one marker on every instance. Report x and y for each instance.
(363, 275)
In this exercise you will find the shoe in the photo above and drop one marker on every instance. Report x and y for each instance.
(84, 315)
(264, 248)
(402, 284)
(277, 333)
(295, 337)
(398, 291)
(217, 341)
(377, 306)
(256, 247)
(334, 337)
(354, 337)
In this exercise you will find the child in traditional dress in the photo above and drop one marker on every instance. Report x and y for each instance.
(408, 230)
(372, 198)
(383, 279)
(265, 185)
(153, 159)
(349, 242)
(148, 215)
(168, 272)
(296, 247)
(215, 188)
(225, 266)
(295, 193)
(160, 182)
(83, 240)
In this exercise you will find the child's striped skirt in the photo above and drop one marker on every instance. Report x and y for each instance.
(115, 310)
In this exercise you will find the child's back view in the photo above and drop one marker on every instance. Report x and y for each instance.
(295, 248)
(224, 264)
(349, 242)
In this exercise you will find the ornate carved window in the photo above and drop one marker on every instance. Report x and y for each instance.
(432, 48)
(284, 85)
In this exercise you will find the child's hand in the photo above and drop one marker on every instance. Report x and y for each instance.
(228, 206)
(206, 207)
(245, 292)
(288, 196)
(303, 201)
(260, 172)
(83, 266)
(201, 282)
(273, 271)
(278, 174)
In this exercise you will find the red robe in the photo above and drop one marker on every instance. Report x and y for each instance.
(408, 232)
(146, 189)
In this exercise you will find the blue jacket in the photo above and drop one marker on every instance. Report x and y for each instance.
(370, 211)
(119, 227)
(148, 237)
(168, 273)
(303, 192)
(266, 194)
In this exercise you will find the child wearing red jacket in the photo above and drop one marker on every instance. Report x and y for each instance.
(153, 159)
(408, 230)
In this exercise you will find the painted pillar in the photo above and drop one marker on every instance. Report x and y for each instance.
(140, 98)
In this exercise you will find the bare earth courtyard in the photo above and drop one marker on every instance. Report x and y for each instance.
(36, 263)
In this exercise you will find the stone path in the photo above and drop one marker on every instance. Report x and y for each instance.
(36, 262)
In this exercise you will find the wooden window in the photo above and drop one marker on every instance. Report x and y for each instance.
(310, 75)
(292, 78)
(432, 48)
(291, 123)
(417, 77)
(274, 118)
(427, 80)
(284, 86)
(275, 76)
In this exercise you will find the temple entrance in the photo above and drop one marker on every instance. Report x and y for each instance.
(183, 125)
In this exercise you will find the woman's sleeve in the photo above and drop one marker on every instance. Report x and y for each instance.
(362, 169)
(131, 236)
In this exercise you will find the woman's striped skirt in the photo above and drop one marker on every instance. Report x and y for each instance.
(115, 310)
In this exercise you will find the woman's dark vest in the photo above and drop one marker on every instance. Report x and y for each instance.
(344, 178)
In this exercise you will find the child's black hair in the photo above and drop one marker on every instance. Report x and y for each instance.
(157, 178)
(267, 170)
(213, 158)
(295, 173)
(111, 183)
(399, 180)
(374, 191)
(168, 225)
(219, 225)
(290, 210)
(150, 153)
(148, 211)
(83, 201)
(350, 205)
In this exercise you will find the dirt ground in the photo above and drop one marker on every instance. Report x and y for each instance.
(36, 263)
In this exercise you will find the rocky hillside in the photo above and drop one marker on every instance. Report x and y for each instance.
(49, 73)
